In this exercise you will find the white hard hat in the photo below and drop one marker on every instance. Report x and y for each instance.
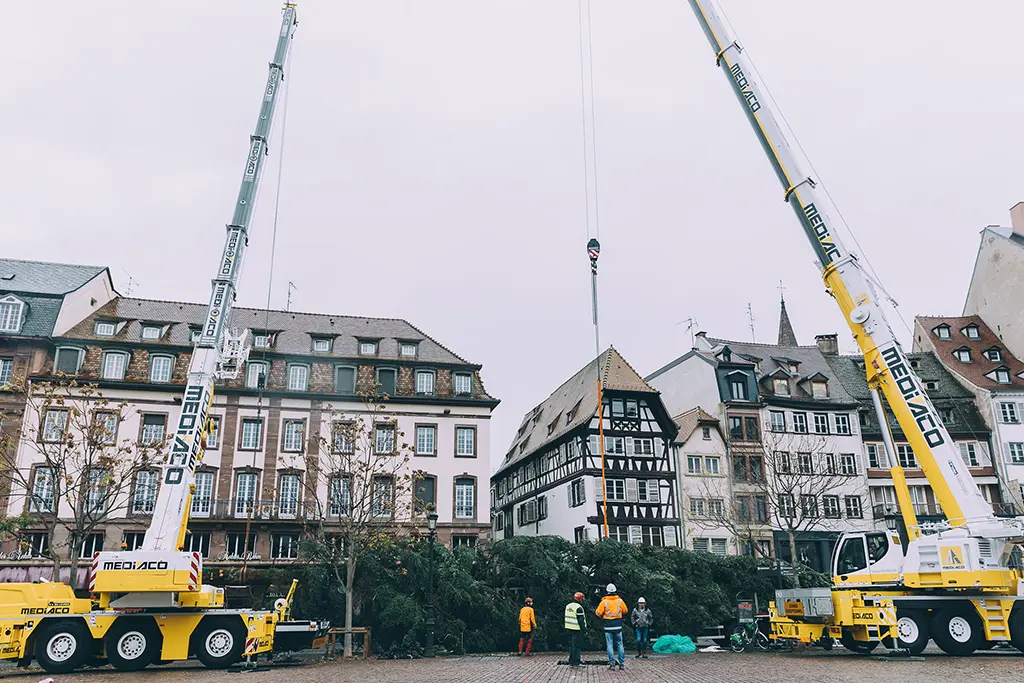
(610, 588)
(641, 600)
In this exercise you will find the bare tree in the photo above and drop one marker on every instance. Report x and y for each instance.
(360, 492)
(73, 472)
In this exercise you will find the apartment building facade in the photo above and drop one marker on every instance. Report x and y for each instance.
(998, 279)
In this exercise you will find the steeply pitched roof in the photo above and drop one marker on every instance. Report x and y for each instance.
(787, 337)
(38, 277)
(691, 419)
(293, 331)
(573, 403)
(977, 370)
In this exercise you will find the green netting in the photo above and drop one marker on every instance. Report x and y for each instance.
(674, 645)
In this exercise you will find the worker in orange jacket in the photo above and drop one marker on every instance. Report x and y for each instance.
(527, 625)
(611, 610)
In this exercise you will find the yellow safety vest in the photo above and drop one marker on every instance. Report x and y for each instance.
(571, 610)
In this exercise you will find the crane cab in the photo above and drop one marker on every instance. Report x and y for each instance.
(869, 558)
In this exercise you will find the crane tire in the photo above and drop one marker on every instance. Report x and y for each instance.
(218, 642)
(133, 643)
(958, 630)
(63, 646)
(912, 629)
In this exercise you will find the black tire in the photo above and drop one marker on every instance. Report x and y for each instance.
(1017, 628)
(958, 630)
(912, 630)
(63, 646)
(861, 647)
(218, 642)
(133, 643)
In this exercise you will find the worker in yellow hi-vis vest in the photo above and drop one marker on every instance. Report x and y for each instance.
(575, 624)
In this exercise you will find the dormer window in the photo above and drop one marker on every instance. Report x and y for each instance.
(794, 368)
(914, 363)
(726, 355)
(994, 355)
(942, 331)
(321, 345)
(781, 387)
(194, 334)
(819, 389)
(11, 310)
(151, 332)
(738, 387)
(931, 385)
(367, 348)
(963, 355)
(462, 384)
(105, 329)
(971, 332)
(1003, 376)
(408, 349)
(262, 340)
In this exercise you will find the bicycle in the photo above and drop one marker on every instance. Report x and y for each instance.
(746, 635)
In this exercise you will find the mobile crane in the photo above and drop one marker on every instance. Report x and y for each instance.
(150, 604)
(959, 581)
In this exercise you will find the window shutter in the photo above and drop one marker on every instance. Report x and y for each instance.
(653, 491)
(631, 492)
(542, 507)
(670, 536)
(629, 445)
(1020, 411)
(636, 536)
(1007, 456)
(984, 455)
(598, 490)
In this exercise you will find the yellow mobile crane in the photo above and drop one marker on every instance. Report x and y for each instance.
(957, 582)
(150, 604)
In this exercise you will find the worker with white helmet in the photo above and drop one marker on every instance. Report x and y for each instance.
(641, 623)
(611, 610)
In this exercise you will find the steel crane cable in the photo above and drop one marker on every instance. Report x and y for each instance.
(587, 58)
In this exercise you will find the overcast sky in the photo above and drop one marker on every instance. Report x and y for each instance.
(433, 162)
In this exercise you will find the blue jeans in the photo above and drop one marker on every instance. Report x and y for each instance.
(641, 639)
(613, 639)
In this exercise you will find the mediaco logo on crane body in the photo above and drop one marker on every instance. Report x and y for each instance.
(744, 86)
(51, 608)
(195, 409)
(822, 232)
(925, 417)
(128, 565)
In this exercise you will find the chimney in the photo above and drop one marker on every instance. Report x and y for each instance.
(828, 344)
(701, 341)
(1017, 218)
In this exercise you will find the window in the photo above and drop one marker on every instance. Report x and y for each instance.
(643, 446)
(716, 507)
(255, 375)
(239, 546)
(873, 459)
(384, 439)
(706, 433)
(756, 468)
(786, 508)
(203, 496)
(91, 544)
(1008, 412)
(743, 508)
(942, 331)
(615, 489)
(105, 329)
(852, 557)
(114, 364)
(293, 430)
(426, 440)
(284, 546)
(698, 507)
(382, 502)
(425, 382)
(104, 426)
(96, 502)
(963, 355)
(341, 496)
(778, 421)
(245, 493)
(386, 380)
(700, 545)
(830, 463)
(931, 385)
(693, 464)
(150, 332)
(198, 543)
(648, 491)
(819, 389)
(863, 418)
(132, 540)
(298, 377)
(408, 349)
(68, 361)
(1003, 376)
(760, 509)
(781, 386)
(262, 340)
(906, 456)
(465, 442)
(194, 334)
(462, 384)
(652, 536)
(160, 368)
(577, 493)
(830, 506)
(464, 541)
(744, 428)
(618, 533)
(808, 506)
(342, 437)
(321, 345)
(10, 314)
(848, 464)
(800, 423)
(344, 380)
(618, 407)
(425, 496)
(971, 332)
(782, 462)
(805, 463)
(367, 348)
(853, 509)
(153, 429)
(738, 388)
(42, 491)
(144, 499)
(712, 464)
(969, 454)
(615, 445)
(821, 423)
(252, 435)
(632, 409)
(994, 355)
(843, 424)
(213, 433)
(1016, 453)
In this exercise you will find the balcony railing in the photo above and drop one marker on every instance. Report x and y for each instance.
(881, 511)
(244, 508)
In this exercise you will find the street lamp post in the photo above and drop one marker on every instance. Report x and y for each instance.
(431, 618)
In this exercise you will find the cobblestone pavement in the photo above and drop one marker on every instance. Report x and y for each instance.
(833, 667)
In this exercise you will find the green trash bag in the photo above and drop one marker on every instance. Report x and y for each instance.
(674, 645)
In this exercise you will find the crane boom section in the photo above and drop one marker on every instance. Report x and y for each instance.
(171, 513)
(885, 361)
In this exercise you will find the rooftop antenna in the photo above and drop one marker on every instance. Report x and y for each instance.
(291, 287)
(691, 325)
(750, 319)
(131, 283)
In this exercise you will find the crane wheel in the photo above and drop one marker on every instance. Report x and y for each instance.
(63, 646)
(958, 630)
(133, 643)
(912, 631)
(218, 642)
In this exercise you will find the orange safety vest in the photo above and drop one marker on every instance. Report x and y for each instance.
(611, 607)
(527, 619)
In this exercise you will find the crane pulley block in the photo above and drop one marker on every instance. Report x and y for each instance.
(233, 353)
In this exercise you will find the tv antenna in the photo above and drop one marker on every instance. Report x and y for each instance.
(750, 319)
(691, 325)
(291, 287)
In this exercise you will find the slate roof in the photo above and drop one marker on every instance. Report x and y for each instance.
(976, 371)
(293, 331)
(38, 277)
(689, 421)
(575, 398)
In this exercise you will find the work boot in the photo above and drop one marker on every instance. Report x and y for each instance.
(622, 667)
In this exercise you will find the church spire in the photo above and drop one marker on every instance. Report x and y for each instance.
(787, 337)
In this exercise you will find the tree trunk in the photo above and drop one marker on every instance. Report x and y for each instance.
(792, 556)
(350, 579)
(73, 556)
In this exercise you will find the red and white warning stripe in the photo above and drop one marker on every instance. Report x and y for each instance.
(92, 571)
(250, 645)
(195, 569)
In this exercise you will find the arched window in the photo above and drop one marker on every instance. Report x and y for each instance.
(11, 311)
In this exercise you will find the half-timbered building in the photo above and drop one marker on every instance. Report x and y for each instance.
(550, 482)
